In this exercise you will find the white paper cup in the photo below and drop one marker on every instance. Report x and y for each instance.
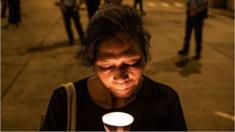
(117, 121)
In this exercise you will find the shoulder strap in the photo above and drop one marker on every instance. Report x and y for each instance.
(72, 106)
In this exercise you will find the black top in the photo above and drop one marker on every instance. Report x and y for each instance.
(156, 107)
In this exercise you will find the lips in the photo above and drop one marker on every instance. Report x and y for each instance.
(123, 85)
(123, 88)
(121, 81)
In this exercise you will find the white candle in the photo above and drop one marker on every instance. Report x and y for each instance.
(118, 119)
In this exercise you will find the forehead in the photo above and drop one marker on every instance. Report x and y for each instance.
(118, 46)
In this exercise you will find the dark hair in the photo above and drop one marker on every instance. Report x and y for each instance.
(106, 23)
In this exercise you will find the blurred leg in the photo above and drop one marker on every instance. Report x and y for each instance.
(78, 26)
(4, 8)
(67, 22)
(141, 7)
(198, 36)
(188, 32)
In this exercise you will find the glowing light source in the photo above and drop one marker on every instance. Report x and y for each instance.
(118, 119)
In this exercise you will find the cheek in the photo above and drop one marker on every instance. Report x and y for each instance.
(104, 76)
(136, 72)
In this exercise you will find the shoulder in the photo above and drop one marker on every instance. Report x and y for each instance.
(154, 90)
(79, 85)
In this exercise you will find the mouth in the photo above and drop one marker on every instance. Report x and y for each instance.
(122, 86)
(122, 89)
(121, 81)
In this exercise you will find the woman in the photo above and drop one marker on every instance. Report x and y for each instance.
(116, 47)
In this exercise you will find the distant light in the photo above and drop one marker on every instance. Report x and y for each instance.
(177, 4)
(151, 4)
(164, 4)
(225, 115)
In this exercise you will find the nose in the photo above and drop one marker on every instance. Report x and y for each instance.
(121, 76)
(121, 73)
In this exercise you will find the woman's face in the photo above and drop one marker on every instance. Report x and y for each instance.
(119, 65)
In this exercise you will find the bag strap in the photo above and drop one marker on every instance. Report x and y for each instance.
(71, 106)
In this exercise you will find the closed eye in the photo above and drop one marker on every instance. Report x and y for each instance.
(104, 66)
(134, 63)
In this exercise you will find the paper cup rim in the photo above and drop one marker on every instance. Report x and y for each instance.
(106, 120)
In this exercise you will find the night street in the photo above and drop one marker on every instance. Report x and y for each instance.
(36, 58)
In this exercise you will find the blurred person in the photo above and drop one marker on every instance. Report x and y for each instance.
(140, 3)
(92, 6)
(4, 8)
(116, 2)
(116, 48)
(14, 18)
(70, 10)
(197, 11)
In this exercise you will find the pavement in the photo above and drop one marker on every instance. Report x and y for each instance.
(36, 58)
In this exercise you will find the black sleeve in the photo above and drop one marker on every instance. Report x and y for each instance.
(56, 117)
(175, 119)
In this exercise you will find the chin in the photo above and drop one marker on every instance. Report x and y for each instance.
(123, 96)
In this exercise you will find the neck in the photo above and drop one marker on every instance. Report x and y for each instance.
(120, 102)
